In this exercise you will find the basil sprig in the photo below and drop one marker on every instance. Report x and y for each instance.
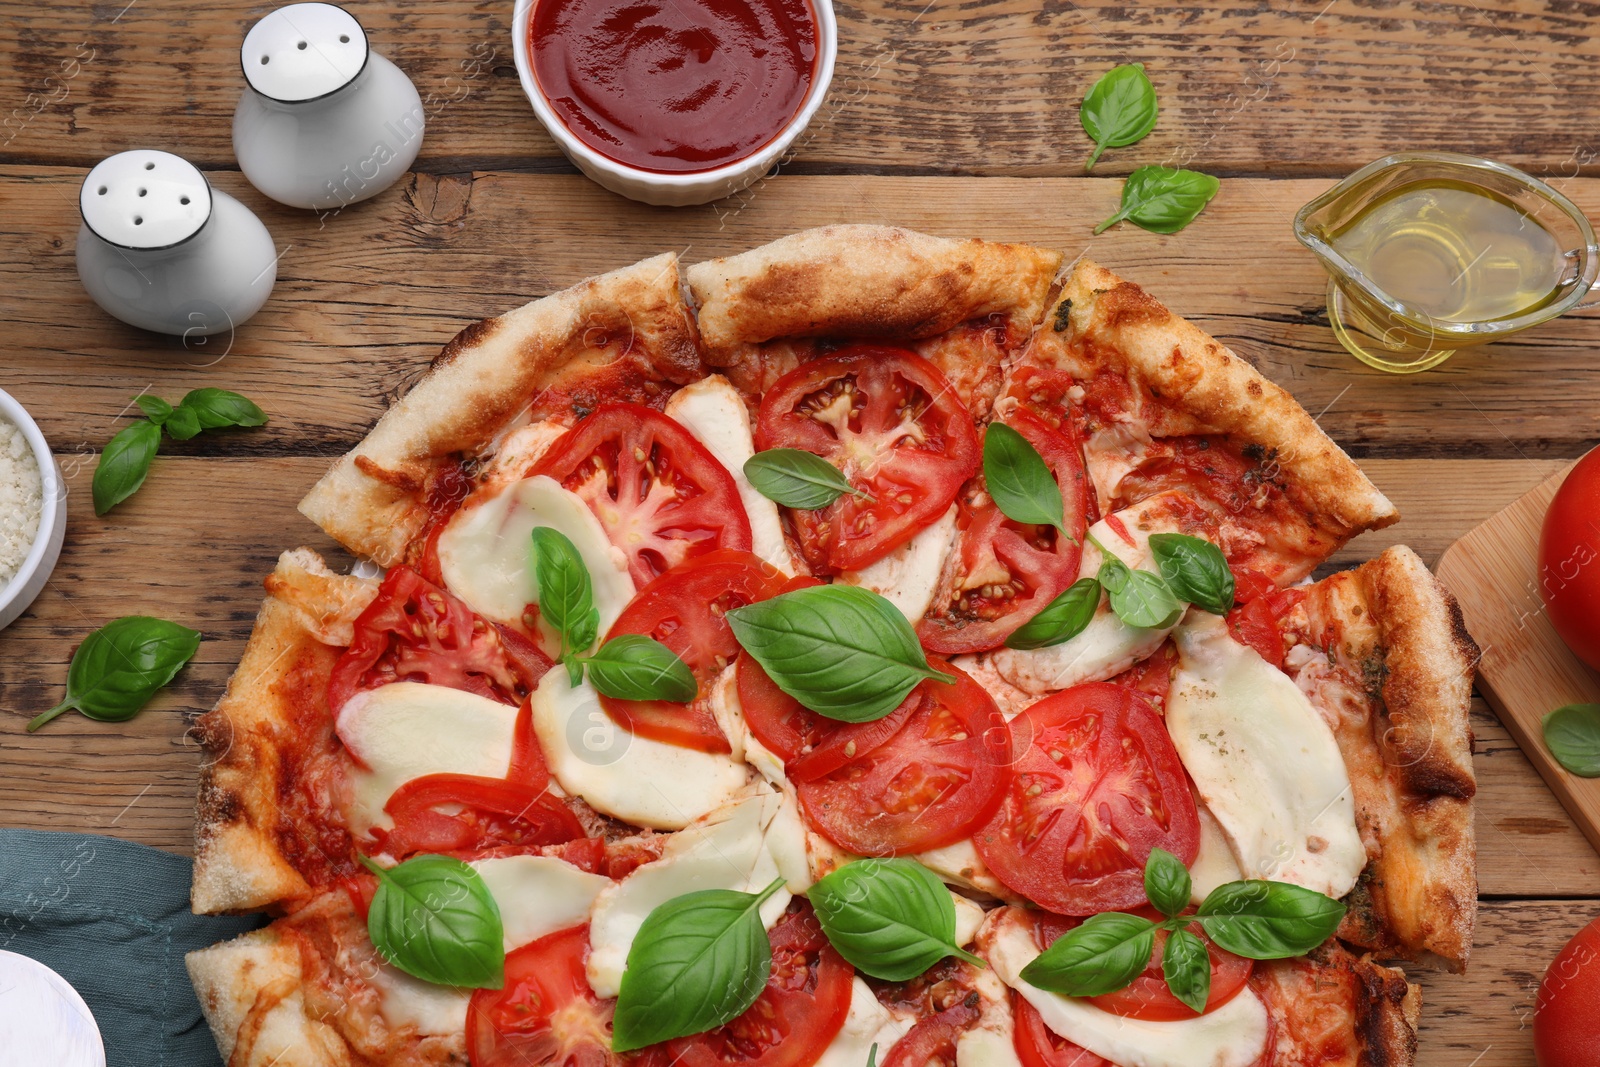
(434, 918)
(699, 960)
(1119, 109)
(627, 667)
(1019, 480)
(1572, 734)
(119, 667)
(1062, 619)
(127, 457)
(842, 651)
(1255, 919)
(1139, 597)
(1195, 569)
(891, 918)
(1163, 200)
(797, 479)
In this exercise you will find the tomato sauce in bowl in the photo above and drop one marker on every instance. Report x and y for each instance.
(674, 86)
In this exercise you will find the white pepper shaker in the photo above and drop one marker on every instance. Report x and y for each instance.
(162, 250)
(325, 121)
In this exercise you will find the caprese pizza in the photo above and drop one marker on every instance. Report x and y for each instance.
(870, 649)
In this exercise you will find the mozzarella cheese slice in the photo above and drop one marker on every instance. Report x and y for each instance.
(968, 918)
(1265, 763)
(989, 1042)
(712, 410)
(1234, 1035)
(868, 1023)
(909, 576)
(1214, 864)
(405, 730)
(728, 849)
(538, 895)
(960, 864)
(635, 779)
(431, 1010)
(486, 552)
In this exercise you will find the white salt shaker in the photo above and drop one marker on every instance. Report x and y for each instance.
(325, 121)
(162, 250)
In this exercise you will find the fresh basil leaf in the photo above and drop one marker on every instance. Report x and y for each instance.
(1572, 734)
(216, 408)
(1163, 200)
(891, 918)
(1268, 920)
(435, 919)
(1186, 965)
(698, 961)
(842, 651)
(155, 409)
(1139, 598)
(1119, 109)
(1062, 619)
(124, 463)
(796, 478)
(566, 594)
(1166, 882)
(119, 667)
(1019, 480)
(1114, 574)
(872, 1055)
(636, 667)
(1195, 569)
(182, 424)
(1103, 955)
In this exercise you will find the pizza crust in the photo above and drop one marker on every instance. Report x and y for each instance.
(1342, 1009)
(250, 990)
(303, 624)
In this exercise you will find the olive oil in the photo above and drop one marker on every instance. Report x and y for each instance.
(1454, 252)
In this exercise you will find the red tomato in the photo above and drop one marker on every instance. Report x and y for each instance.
(416, 632)
(1038, 1046)
(1149, 998)
(1096, 784)
(545, 1015)
(493, 812)
(1006, 572)
(930, 785)
(794, 1019)
(660, 495)
(933, 1040)
(1257, 616)
(1566, 1019)
(1569, 560)
(894, 426)
(685, 609)
(1152, 676)
(809, 744)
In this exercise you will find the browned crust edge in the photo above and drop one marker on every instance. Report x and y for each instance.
(238, 862)
(373, 499)
(865, 281)
(250, 989)
(1213, 391)
(1388, 1010)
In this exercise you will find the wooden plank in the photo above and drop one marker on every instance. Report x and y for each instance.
(1311, 87)
(1526, 669)
(365, 298)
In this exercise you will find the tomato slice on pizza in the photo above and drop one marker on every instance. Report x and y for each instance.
(660, 496)
(896, 430)
(545, 1014)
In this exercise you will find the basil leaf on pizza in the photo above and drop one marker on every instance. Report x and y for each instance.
(1195, 569)
(1019, 480)
(1102, 955)
(1268, 920)
(1186, 965)
(119, 667)
(124, 462)
(637, 667)
(1119, 109)
(1572, 734)
(1138, 597)
(566, 596)
(1166, 882)
(1062, 619)
(1163, 200)
(842, 651)
(796, 478)
(699, 960)
(434, 918)
(891, 918)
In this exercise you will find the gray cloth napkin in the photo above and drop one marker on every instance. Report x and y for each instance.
(113, 919)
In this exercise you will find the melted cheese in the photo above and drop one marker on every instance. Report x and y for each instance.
(538, 895)
(728, 849)
(636, 779)
(960, 864)
(1214, 864)
(1265, 763)
(1234, 1035)
(432, 1010)
(989, 1042)
(712, 410)
(486, 552)
(405, 730)
(909, 576)
(868, 1023)
(1111, 454)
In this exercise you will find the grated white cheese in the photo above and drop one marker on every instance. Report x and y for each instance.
(21, 500)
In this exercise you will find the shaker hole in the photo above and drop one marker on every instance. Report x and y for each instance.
(102, 190)
(265, 60)
(149, 166)
(143, 191)
(344, 38)
(183, 199)
(301, 46)
(138, 220)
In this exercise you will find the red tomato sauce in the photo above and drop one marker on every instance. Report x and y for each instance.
(674, 86)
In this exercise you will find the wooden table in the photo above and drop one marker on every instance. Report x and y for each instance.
(949, 117)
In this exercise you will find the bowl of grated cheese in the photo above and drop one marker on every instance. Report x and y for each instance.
(33, 511)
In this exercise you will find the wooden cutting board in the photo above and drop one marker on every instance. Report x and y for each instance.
(1525, 670)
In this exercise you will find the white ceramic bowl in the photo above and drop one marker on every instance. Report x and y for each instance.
(25, 585)
(676, 190)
